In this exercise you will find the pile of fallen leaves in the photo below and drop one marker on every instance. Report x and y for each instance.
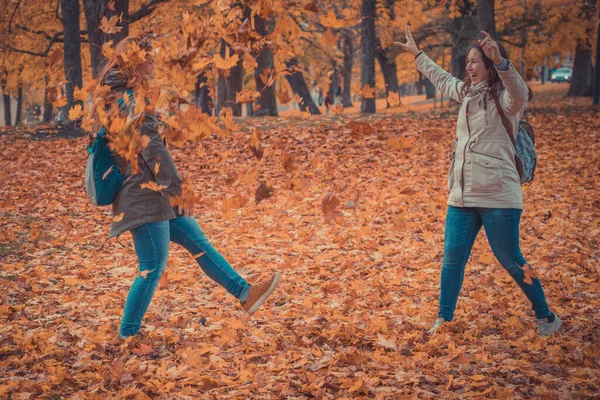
(351, 211)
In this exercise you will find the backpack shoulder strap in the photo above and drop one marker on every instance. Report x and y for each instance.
(505, 120)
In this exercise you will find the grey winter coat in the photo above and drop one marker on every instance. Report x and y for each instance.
(141, 206)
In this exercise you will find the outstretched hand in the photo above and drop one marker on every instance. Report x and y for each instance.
(490, 48)
(410, 44)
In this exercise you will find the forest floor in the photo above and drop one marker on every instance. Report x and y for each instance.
(360, 278)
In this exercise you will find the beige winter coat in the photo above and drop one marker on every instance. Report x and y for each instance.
(483, 171)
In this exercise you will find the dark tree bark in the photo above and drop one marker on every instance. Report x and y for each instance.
(388, 69)
(7, 113)
(334, 85)
(596, 100)
(18, 119)
(72, 53)
(228, 87)
(486, 17)
(348, 50)
(464, 31)
(234, 84)
(581, 81)
(367, 70)
(221, 89)
(203, 100)
(265, 59)
(94, 11)
(429, 89)
(299, 86)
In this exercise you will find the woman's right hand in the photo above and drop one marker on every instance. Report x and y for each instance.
(410, 44)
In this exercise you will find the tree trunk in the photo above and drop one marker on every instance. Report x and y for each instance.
(18, 119)
(47, 105)
(459, 64)
(348, 50)
(94, 11)
(265, 60)
(581, 81)
(596, 100)
(429, 89)
(249, 110)
(7, 114)
(298, 84)
(228, 86)
(486, 20)
(334, 85)
(367, 70)
(203, 100)
(221, 90)
(234, 84)
(72, 46)
(388, 69)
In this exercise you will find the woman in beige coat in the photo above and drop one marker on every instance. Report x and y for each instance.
(484, 183)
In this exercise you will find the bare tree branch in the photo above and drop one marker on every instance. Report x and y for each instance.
(12, 16)
(145, 10)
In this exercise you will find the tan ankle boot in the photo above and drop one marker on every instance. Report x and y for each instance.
(260, 292)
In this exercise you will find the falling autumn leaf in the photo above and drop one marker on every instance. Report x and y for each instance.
(76, 112)
(393, 99)
(118, 218)
(408, 191)
(262, 192)
(328, 205)
(312, 6)
(153, 186)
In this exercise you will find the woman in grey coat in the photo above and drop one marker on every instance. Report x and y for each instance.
(149, 215)
(484, 183)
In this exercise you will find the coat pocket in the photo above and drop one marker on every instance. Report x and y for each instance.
(486, 173)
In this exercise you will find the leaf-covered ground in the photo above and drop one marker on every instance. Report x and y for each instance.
(360, 271)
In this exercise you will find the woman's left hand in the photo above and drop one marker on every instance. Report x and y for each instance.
(490, 48)
(187, 211)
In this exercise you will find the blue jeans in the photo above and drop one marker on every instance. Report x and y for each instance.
(502, 230)
(151, 243)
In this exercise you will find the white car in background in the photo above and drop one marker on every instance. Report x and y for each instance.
(561, 75)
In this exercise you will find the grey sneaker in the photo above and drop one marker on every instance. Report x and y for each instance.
(438, 322)
(548, 328)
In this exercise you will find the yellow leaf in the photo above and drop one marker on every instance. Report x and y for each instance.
(76, 112)
(156, 168)
(225, 63)
(393, 99)
(331, 21)
(249, 61)
(152, 186)
(245, 96)
(80, 94)
(368, 92)
(108, 50)
(255, 138)
(330, 38)
(109, 26)
(118, 218)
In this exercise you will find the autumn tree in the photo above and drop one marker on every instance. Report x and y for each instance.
(72, 48)
(581, 81)
(368, 46)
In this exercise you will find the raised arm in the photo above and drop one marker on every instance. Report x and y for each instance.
(442, 80)
(516, 95)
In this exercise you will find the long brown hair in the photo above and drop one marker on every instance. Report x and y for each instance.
(117, 61)
(495, 85)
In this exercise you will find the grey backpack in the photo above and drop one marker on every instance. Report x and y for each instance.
(525, 155)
